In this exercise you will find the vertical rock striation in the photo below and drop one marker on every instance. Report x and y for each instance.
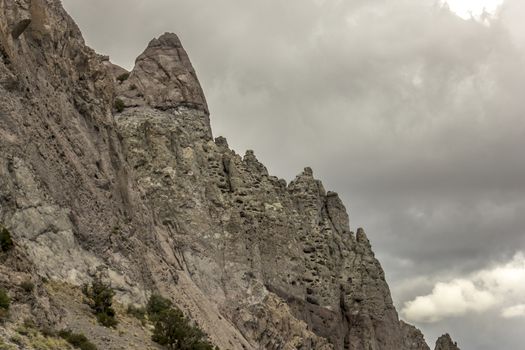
(145, 195)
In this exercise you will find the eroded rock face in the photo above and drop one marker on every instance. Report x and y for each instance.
(445, 343)
(163, 78)
(413, 339)
(149, 199)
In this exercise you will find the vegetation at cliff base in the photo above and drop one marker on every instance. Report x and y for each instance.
(5, 301)
(27, 286)
(79, 341)
(172, 329)
(123, 77)
(156, 305)
(119, 105)
(6, 243)
(137, 312)
(101, 301)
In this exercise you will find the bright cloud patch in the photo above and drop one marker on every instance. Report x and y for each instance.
(479, 292)
(514, 311)
(473, 8)
(449, 299)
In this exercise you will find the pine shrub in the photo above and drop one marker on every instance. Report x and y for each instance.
(5, 301)
(79, 341)
(172, 329)
(123, 77)
(6, 243)
(27, 286)
(119, 105)
(137, 312)
(101, 301)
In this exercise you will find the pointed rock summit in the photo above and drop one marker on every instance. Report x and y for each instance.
(445, 343)
(163, 78)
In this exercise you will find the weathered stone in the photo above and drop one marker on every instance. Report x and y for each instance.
(413, 339)
(163, 78)
(20, 27)
(150, 199)
(445, 343)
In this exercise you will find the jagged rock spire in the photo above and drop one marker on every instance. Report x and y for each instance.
(445, 343)
(163, 78)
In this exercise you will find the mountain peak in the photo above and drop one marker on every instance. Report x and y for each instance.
(445, 342)
(163, 78)
(166, 40)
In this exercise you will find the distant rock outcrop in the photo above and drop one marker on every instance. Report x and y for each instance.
(413, 339)
(445, 343)
(105, 172)
(163, 78)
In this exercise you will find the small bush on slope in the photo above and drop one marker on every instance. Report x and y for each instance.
(6, 243)
(123, 77)
(27, 286)
(172, 329)
(119, 105)
(137, 312)
(79, 341)
(5, 301)
(101, 302)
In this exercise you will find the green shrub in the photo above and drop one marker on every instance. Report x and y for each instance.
(48, 332)
(137, 312)
(5, 301)
(156, 305)
(4, 315)
(4, 346)
(123, 77)
(119, 105)
(27, 286)
(29, 323)
(172, 329)
(39, 342)
(6, 243)
(107, 319)
(23, 330)
(17, 339)
(79, 341)
(101, 302)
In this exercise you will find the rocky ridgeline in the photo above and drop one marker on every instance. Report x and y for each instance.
(105, 172)
(445, 343)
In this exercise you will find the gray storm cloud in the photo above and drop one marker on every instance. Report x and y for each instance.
(414, 115)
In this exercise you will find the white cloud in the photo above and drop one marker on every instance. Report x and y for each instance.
(454, 298)
(514, 311)
(496, 287)
(467, 9)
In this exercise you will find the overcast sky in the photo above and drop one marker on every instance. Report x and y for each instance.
(412, 111)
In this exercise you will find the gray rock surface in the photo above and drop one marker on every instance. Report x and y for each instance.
(163, 78)
(151, 200)
(413, 339)
(445, 343)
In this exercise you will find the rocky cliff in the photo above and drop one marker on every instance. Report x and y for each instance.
(105, 173)
(445, 343)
